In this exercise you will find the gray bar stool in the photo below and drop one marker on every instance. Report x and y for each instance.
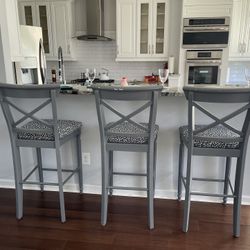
(215, 139)
(125, 134)
(30, 131)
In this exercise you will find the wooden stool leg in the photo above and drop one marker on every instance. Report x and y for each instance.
(187, 194)
(150, 187)
(180, 173)
(227, 176)
(238, 194)
(39, 163)
(111, 170)
(105, 180)
(60, 184)
(79, 162)
(18, 181)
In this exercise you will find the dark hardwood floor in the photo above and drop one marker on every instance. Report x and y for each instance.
(210, 225)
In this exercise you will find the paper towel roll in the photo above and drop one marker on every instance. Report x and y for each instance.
(171, 64)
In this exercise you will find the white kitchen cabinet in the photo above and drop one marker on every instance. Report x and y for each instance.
(61, 19)
(126, 29)
(13, 30)
(152, 27)
(239, 47)
(55, 18)
(142, 30)
(207, 8)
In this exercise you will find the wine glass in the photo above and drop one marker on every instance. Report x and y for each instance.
(163, 75)
(91, 75)
(247, 75)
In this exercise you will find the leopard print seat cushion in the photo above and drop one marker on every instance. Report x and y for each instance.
(125, 129)
(37, 130)
(218, 132)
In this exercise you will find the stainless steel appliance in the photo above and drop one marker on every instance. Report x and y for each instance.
(206, 32)
(94, 12)
(203, 66)
(32, 69)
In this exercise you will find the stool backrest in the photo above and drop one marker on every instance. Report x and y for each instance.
(147, 94)
(12, 94)
(219, 95)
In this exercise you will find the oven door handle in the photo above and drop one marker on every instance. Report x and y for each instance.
(205, 29)
(205, 63)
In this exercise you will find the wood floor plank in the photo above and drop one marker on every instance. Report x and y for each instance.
(210, 224)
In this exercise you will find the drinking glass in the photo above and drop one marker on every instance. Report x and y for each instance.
(91, 75)
(163, 75)
(247, 75)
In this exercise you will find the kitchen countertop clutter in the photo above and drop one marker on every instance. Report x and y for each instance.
(86, 90)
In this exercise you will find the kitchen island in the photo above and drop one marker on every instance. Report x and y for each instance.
(172, 113)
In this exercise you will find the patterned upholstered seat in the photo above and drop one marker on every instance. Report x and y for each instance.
(38, 131)
(124, 131)
(218, 132)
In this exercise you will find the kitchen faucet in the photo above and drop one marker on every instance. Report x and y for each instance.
(61, 66)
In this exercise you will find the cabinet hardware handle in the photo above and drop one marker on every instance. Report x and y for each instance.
(68, 49)
(117, 49)
(240, 48)
(153, 49)
(244, 48)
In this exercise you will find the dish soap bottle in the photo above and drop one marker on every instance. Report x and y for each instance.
(53, 73)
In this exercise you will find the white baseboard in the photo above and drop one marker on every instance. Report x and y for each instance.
(95, 189)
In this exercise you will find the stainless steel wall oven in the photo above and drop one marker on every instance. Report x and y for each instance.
(203, 66)
(206, 32)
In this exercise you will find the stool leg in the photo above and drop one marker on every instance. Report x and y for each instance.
(79, 162)
(238, 194)
(39, 163)
(60, 183)
(150, 187)
(180, 173)
(18, 181)
(187, 194)
(105, 181)
(155, 158)
(226, 180)
(111, 170)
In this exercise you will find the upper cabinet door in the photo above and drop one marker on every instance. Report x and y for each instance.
(61, 26)
(160, 28)
(44, 21)
(239, 47)
(144, 28)
(126, 29)
(27, 13)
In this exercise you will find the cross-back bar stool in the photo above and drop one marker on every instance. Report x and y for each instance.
(31, 131)
(219, 138)
(126, 134)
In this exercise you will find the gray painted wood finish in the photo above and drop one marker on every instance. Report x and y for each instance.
(10, 96)
(198, 97)
(149, 95)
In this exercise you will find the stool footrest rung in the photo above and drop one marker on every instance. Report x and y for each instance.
(54, 169)
(206, 179)
(212, 195)
(128, 188)
(131, 174)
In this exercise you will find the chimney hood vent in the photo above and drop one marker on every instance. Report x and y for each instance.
(95, 21)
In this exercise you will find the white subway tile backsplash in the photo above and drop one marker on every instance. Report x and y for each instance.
(237, 72)
(97, 54)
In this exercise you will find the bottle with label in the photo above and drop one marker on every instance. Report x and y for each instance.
(53, 73)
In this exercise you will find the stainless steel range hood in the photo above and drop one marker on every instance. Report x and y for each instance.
(95, 21)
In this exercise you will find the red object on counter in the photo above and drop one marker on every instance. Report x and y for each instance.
(151, 79)
(124, 82)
